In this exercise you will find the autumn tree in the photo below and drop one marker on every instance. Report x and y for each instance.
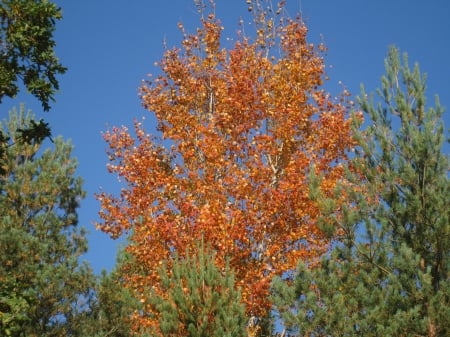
(389, 275)
(41, 278)
(239, 127)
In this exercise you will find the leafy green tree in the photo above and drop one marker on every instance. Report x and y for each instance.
(27, 55)
(389, 273)
(27, 49)
(42, 284)
(199, 299)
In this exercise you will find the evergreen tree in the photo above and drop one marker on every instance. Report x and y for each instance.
(200, 300)
(111, 306)
(42, 284)
(389, 273)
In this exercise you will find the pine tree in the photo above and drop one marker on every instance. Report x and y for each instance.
(111, 306)
(42, 283)
(389, 273)
(199, 299)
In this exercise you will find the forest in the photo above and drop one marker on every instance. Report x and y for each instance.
(261, 204)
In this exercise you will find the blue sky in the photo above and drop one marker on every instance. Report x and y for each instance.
(109, 46)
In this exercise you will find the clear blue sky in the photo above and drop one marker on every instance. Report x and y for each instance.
(110, 45)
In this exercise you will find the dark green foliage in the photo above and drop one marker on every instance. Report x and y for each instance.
(27, 49)
(42, 284)
(389, 273)
(199, 300)
(36, 133)
(27, 55)
(32, 134)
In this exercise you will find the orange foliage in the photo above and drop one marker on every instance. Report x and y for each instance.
(240, 130)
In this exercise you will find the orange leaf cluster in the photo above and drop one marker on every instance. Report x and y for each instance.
(240, 130)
